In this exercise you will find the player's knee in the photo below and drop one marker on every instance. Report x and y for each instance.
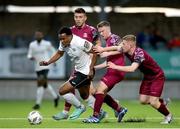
(154, 103)
(61, 91)
(84, 96)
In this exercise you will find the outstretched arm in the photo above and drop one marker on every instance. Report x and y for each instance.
(106, 54)
(100, 49)
(130, 68)
(100, 66)
(53, 59)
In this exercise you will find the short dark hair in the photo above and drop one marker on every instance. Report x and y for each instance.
(103, 23)
(65, 30)
(79, 10)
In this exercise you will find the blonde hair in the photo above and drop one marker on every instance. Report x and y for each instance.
(129, 37)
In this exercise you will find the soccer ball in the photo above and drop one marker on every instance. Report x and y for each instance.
(35, 118)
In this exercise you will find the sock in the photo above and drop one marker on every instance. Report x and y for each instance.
(98, 104)
(53, 93)
(112, 103)
(65, 112)
(163, 110)
(67, 106)
(71, 98)
(90, 101)
(39, 96)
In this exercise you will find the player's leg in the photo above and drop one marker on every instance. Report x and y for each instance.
(150, 91)
(156, 90)
(82, 83)
(111, 80)
(49, 88)
(70, 98)
(105, 85)
(121, 111)
(40, 89)
(64, 114)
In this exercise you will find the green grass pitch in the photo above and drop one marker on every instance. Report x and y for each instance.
(13, 114)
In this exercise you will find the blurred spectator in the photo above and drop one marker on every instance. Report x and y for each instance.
(143, 37)
(17, 41)
(174, 42)
(5, 41)
(157, 39)
(21, 41)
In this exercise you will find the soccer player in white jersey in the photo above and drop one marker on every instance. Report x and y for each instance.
(39, 50)
(79, 51)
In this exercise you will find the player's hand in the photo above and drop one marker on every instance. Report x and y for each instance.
(43, 63)
(111, 65)
(98, 49)
(104, 54)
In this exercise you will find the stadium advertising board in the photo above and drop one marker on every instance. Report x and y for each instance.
(14, 64)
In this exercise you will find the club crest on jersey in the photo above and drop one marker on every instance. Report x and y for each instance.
(86, 45)
(85, 35)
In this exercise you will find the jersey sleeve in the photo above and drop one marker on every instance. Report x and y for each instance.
(95, 34)
(115, 40)
(86, 45)
(61, 48)
(139, 57)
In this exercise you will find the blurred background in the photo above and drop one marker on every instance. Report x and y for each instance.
(156, 23)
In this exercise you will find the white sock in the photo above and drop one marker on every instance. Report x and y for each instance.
(65, 112)
(51, 91)
(71, 98)
(39, 95)
(90, 101)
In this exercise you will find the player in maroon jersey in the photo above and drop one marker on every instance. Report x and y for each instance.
(89, 33)
(153, 81)
(111, 77)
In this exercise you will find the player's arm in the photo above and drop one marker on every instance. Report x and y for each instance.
(53, 59)
(99, 49)
(106, 54)
(100, 66)
(30, 53)
(130, 68)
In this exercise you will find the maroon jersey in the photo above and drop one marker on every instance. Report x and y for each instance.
(113, 76)
(114, 40)
(148, 66)
(86, 32)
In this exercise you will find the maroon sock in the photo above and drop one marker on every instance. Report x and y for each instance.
(112, 103)
(98, 104)
(163, 110)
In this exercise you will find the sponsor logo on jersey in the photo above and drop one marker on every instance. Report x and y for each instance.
(85, 35)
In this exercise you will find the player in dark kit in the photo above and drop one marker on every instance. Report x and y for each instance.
(153, 81)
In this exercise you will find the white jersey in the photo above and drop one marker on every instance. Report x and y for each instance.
(78, 50)
(40, 52)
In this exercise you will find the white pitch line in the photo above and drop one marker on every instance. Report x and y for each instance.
(111, 118)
